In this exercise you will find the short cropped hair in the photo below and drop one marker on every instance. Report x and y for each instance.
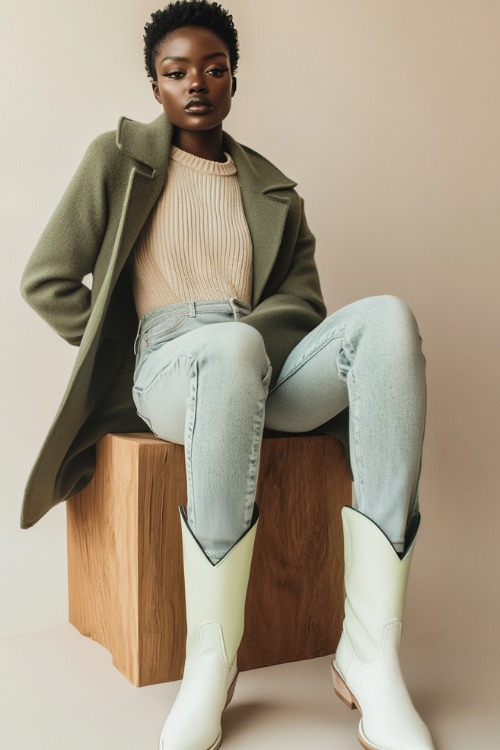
(178, 15)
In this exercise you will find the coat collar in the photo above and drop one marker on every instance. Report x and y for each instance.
(265, 190)
(150, 144)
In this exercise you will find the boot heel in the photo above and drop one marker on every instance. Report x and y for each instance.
(342, 690)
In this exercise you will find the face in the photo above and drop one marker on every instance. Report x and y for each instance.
(194, 83)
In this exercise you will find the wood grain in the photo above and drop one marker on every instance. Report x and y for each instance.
(126, 587)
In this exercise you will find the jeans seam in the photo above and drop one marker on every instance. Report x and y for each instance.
(358, 463)
(347, 352)
(255, 451)
(310, 354)
(189, 434)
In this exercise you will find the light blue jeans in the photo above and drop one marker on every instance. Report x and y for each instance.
(202, 380)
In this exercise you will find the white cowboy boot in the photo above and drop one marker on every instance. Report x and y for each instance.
(366, 672)
(215, 613)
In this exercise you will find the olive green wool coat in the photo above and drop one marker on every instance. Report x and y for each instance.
(93, 231)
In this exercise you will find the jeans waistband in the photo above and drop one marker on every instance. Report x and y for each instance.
(232, 306)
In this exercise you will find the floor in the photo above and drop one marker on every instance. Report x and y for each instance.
(60, 691)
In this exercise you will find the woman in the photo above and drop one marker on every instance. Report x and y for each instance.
(193, 235)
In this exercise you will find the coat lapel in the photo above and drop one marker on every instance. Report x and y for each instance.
(147, 143)
(149, 146)
(266, 208)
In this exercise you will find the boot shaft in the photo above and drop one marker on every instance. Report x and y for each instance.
(216, 593)
(376, 580)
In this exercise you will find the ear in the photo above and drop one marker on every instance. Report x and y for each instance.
(233, 86)
(156, 91)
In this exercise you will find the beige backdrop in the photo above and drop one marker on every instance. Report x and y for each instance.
(386, 112)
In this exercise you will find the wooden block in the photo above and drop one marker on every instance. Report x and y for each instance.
(126, 587)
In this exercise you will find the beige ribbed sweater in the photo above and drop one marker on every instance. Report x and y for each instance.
(196, 244)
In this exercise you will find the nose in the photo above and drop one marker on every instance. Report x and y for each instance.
(197, 85)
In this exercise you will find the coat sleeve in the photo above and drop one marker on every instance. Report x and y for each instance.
(52, 282)
(292, 303)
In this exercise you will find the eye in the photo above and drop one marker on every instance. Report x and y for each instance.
(217, 72)
(175, 74)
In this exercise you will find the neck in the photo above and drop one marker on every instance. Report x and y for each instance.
(206, 144)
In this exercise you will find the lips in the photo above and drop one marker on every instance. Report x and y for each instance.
(199, 105)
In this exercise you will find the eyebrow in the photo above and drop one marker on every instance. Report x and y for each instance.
(178, 58)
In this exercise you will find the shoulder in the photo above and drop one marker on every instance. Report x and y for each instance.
(252, 165)
(264, 164)
(101, 155)
(132, 138)
(113, 153)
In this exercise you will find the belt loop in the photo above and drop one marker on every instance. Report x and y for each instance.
(234, 307)
(192, 309)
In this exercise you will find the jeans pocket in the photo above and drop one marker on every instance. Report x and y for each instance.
(160, 332)
(155, 337)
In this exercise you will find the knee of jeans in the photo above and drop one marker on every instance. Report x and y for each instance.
(394, 314)
(235, 345)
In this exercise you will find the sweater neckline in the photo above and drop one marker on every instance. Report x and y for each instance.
(197, 164)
